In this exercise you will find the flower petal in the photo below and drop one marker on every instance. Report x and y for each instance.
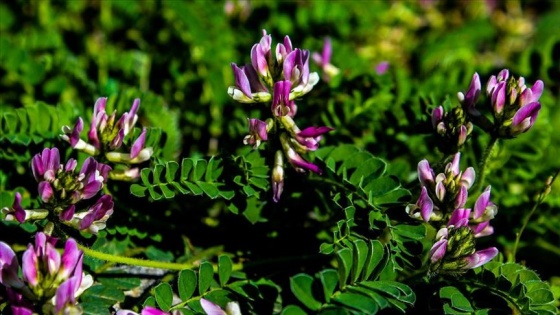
(481, 257)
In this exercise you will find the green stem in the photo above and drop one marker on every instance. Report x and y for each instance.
(481, 173)
(527, 218)
(134, 261)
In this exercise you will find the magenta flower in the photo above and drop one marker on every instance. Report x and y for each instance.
(45, 274)
(248, 87)
(45, 165)
(18, 212)
(454, 252)
(94, 218)
(257, 132)
(261, 56)
(324, 60)
(437, 252)
(296, 70)
(66, 189)
(107, 134)
(525, 118)
(297, 162)
(138, 152)
(426, 174)
(424, 207)
(515, 106)
(382, 67)
(65, 298)
(468, 101)
(9, 267)
(448, 190)
(283, 49)
(281, 104)
(84, 185)
(481, 257)
(232, 308)
(484, 209)
(149, 310)
(310, 137)
(58, 183)
(252, 82)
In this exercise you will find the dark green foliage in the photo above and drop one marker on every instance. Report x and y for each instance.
(192, 285)
(193, 176)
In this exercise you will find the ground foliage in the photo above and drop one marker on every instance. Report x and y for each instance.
(336, 243)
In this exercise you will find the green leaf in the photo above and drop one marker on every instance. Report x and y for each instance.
(293, 310)
(199, 170)
(155, 253)
(376, 255)
(301, 285)
(345, 260)
(101, 294)
(209, 189)
(186, 284)
(164, 296)
(368, 170)
(381, 186)
(205, 277)
(225, 266)
(94, 308)
(360, 253)
(541, 296)
(360, 303)
(458, 300)
(381, 301)
(329, 280)
(120, 283)
(138, 190)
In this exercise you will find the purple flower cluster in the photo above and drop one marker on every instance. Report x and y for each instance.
(286, 74)
(443, 198)
(106, 137)
(452, 128)
(254, 81)
(61, 188)
(46, 275)
(514, 106)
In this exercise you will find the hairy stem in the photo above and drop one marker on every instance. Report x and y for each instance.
(133, 261)
(527, 218)
(481, 173)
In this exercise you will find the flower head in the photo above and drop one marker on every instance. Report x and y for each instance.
(515, 107)
(254, 81)
(46, 275)
(59, 184)
(452, 129)
(447, 190)
(107, 135)
(454, 251)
